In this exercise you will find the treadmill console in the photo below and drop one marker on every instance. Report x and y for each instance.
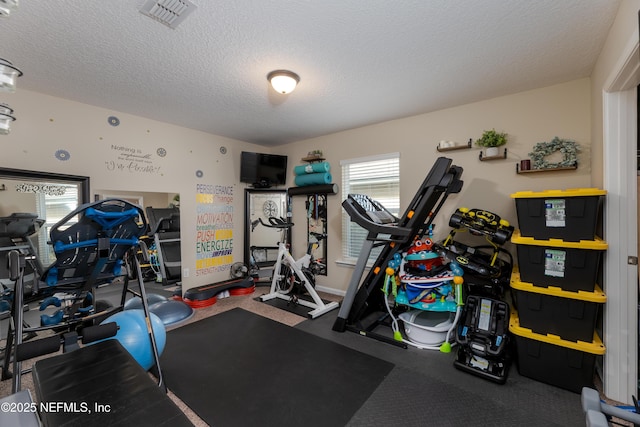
(370, 208)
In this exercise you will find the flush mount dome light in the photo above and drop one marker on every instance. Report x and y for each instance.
(5, 119)
(8, 76)
(7, 6)
(283, 81)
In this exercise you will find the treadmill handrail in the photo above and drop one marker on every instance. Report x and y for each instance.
(374, 228)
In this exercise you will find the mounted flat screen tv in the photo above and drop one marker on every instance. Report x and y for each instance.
(263, 170)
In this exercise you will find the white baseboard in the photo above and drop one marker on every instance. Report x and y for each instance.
(330, 291)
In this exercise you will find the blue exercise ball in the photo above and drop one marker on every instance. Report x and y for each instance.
(134, 336)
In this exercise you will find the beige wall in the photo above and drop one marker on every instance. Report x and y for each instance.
(12, 201)
(46, 124)
(149, 199)
(623, 32)
(528, 117)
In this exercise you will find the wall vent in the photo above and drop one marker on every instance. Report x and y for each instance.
(168, 12)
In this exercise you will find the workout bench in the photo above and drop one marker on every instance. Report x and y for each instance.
(101, 384)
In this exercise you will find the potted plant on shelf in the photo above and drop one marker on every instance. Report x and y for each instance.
(491, 140)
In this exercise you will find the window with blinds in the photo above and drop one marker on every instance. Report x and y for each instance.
(379, 178)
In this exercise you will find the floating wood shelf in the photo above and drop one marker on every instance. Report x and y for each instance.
(482, 159)
(457, 147)
(312, 159)
(567, 168)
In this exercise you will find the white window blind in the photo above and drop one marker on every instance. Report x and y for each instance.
(379, 178)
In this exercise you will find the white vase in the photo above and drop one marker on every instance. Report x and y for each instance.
(492, 151)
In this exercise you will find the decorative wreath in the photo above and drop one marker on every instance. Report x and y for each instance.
(569, 150)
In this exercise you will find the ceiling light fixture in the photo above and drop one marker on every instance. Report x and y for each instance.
(5, 119)
(283, 81)
(8, 76)
(7, 6)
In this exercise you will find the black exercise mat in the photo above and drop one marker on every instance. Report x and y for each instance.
(241, 369)
(290, 307)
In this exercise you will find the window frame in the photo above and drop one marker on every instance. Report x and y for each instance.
(348, 227)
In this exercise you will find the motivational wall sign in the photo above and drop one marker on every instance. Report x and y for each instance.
(131, 160)
(214, 228)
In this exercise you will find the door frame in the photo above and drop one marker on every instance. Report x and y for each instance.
(620, 326)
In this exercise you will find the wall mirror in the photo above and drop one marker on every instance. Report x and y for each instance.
(316, 205)
(31, 203)
(162, 211)
(260, 242)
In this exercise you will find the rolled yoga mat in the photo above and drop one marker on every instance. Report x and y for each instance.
(313, 179)
(313, 189)
(320, 167)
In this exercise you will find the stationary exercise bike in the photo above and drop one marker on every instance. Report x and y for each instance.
(292, 277)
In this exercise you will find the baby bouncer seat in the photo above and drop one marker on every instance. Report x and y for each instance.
(431, 290)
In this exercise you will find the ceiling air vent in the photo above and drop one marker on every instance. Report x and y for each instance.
(168, 12)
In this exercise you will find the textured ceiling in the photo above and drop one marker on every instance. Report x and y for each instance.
(360, 62)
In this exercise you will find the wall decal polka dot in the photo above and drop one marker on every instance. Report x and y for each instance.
(199, 174)
(63, 155)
